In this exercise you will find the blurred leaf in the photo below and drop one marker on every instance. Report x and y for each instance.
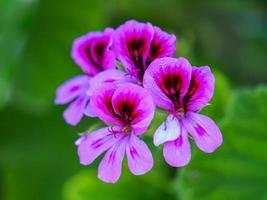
(46, 61)
(15, 22)
(237, 170)
(85, 186)
(220, 99)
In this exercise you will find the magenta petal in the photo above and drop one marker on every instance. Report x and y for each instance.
(92, 52)
(162, 45)
(101, 104)
(131, 43)
(135, 105)
(168, 80)
(89, 111)
(109, 169)
(201, 88)
(75, 111)
(204, 131)
(71, 89)
(91, 145)
(140, 159)
(115, 76)
(177, 153)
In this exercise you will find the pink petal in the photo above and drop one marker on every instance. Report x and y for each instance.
(169, 130)
(109, 169)
(168, 80)
(71, 89)
(201, 88)
(177, 153)
(162, 45)
(75, 111)
(204, 131)
(101, 104)
(140, 159)
(131, 43)
(89, 111)
(115, 76)
(135, 106)
(92, 145)
(92, 52)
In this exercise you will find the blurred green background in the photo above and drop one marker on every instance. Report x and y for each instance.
(38, 158)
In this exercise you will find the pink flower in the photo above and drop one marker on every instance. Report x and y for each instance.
(128, 111)
(181, 89)
(92, 52)
(137, 44)
(78, 91)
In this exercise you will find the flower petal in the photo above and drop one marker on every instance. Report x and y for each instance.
(101, 104)
(162, 45)
(177, 153)
(140, 159)
(89, 111)
(204, 131)
(91, 145)
(134, 105)
(109, 169)
(131, 43)
(201, 88)
(75, 111)
(92, 52)
(168, 80)
(115, 76)
(169, 130)
(71, 89)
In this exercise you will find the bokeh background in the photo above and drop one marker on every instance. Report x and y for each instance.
(38, 158)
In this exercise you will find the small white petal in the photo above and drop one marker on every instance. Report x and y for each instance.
(169, 130)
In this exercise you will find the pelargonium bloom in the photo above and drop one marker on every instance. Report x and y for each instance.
(137, 44)
(92, 52)
(78, 90)
(182, 90)
(128, 111)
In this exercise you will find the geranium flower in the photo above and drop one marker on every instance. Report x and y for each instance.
(128, 111)
(137, 44)
(92, 52)
(79, 89)
(182, 90)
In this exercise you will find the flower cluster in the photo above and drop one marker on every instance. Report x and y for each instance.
(125, 100)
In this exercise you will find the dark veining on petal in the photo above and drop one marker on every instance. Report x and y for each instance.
(136, 47)
(74, 88)
(155, 51)
(170, 82)
(95, 53)
(97, 143)
(133, 152)
(127, 108)
(200, 130)
(193, 87)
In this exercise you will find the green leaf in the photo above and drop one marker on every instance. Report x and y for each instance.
(85, 186)
(222, 94)
(46, 56)
(237, 170)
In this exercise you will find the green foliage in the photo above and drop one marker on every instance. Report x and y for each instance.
(222, 94)
(154, 185)
(237, 170)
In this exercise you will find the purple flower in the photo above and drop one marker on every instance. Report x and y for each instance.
(137, 44)
(181, 89)
(78, 91)
(92, 52)
(128, 111)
